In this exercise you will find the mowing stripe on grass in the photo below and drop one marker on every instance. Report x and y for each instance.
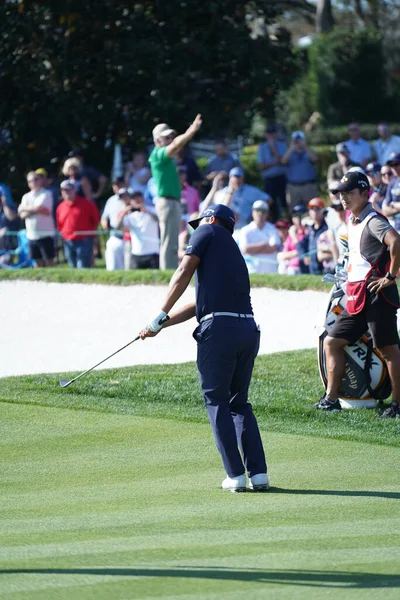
(117, 506)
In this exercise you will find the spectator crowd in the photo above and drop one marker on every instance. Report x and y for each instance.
(284, 226)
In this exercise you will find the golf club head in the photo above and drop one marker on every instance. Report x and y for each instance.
(64, 383)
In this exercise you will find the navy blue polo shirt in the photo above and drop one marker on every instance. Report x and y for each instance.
(316, 267)
(222, 279)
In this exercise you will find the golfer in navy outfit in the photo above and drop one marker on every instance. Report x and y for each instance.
(227, 338)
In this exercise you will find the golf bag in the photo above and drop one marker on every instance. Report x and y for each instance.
(366, 377)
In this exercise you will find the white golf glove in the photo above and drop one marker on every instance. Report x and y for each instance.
(157, 323)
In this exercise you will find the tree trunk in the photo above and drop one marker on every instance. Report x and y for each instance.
(324, 17)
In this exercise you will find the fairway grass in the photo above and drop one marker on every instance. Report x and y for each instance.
(97, 505)
(284, 388)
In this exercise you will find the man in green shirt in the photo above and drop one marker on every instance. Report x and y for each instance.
(163, 168)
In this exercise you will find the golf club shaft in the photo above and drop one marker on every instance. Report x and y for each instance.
(101, 362)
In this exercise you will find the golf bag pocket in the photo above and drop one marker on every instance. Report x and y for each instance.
(356, 295)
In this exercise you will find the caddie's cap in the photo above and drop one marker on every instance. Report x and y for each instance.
(162, 130)
(236, 172)
(260, 205)
(220, 211)
(298, 135)
(394, 159)
(271, 128)
(67, 185)
(352, 181)
(41, 172)
(316, 203)
(341, 148)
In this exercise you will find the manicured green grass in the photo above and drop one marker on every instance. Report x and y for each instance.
(116, 506)
(149, 277)
(101, 276)
(283, 391)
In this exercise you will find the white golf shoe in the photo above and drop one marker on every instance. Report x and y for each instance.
(259, 482)
(235, 484)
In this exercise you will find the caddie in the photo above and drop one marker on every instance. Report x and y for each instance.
(227, 338)
(372, 294)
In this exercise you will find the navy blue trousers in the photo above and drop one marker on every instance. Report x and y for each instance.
(227, 347)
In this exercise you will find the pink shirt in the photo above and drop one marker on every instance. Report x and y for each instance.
(288, 246)
(191, 197)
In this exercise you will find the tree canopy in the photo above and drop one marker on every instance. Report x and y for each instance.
(78, 73)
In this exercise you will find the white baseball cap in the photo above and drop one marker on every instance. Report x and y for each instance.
(260, 205)
(162, 130)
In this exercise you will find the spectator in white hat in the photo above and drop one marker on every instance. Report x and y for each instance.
(259, 241)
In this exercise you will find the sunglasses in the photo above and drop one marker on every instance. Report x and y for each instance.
(387, 174)
(34, 179)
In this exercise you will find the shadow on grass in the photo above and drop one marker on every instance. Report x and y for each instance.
(354, 493)
(325, 579)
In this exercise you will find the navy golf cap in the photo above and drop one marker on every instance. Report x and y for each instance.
(220, 211)
(299, 209)
(394, 159)
(352, 181)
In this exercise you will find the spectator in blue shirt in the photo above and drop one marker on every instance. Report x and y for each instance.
(301, 171)
(308, 245)
(222, 161)
(359, 149)
(269, 156)
(8, 199)
(184, 158)
(391, 203)
(9, 221)
(240, 196)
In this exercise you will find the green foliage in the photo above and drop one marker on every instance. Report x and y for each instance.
(149, 277)
(344, 80)
(345, 70)
(336, 134)
(295, 106)
(89, 73)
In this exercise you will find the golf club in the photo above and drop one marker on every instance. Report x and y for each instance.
(65, 383)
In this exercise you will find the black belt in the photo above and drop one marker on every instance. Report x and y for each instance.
(302, 182)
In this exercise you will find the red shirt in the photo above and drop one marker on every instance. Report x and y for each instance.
(80, 215)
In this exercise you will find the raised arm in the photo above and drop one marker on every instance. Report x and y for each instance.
(181, 140)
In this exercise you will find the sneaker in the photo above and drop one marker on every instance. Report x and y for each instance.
(328, 405)
(259, 483)
(392, 412)
(235, 484)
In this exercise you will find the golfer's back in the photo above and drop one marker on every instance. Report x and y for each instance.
(222, 279)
